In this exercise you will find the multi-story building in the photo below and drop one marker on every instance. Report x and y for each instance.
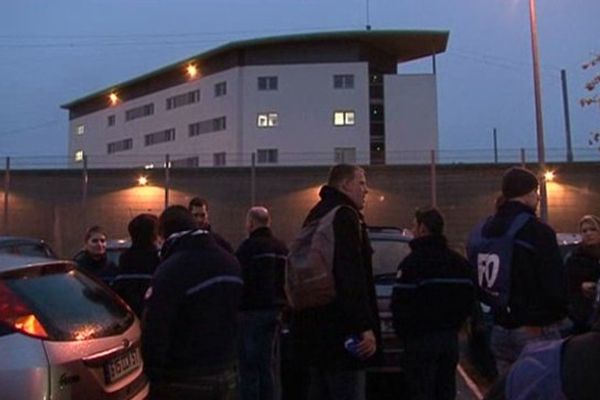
(306, 99)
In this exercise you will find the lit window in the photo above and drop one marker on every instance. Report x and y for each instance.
(80, 129)
(267, 83)
(79, 155)
(267, 120)
(343, 81)
(343, 118)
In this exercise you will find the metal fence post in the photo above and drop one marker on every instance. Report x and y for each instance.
(523, 161)
(84, 189)
(6, 193)
(253, 181)
(167, 179)
(433, 180)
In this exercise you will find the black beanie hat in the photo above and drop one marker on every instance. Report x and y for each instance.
(517, 182)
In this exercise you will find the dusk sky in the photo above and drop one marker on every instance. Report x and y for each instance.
(57, 51)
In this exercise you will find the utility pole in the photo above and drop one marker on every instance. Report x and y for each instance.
(495, 147)
(563, 78)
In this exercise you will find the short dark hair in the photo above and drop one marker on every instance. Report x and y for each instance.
(175, 219)
(432, 218)
(143, 229)
(340, 173)
(91, 231)
(197, 202)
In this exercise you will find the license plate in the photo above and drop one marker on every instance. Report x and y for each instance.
(122, 365)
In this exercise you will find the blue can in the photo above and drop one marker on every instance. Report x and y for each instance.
(351, 345)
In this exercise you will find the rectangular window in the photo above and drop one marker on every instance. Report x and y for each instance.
(267, 83)
(79, 155)
(121, 145)
(220, 89)
(80, 129)
(343, 118)
(207, 126)
(345, 81)
(266, 156)
(139, 112)
(345, 155)
(168, 135)
(190, 162)
(183, 99)
(110, 120)
(219, 159)
(267, 120)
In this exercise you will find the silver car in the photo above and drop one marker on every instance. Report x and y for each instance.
(65, 335)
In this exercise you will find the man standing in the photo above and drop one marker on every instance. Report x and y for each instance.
(199, 209)
(520, 270)
(433, 295)
(319, 333)
(262, 257)
(190, 321)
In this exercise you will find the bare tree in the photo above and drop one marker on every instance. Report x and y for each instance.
(594, 96)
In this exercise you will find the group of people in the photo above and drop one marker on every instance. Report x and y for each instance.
(210, 316)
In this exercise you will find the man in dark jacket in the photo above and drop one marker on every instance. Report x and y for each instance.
(319, 333)
(262, 257)
(138, 262)
(190, 322)
(199, 209)
(433, 295)
(537, 301)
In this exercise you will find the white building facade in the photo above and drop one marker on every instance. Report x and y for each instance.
(316, 99)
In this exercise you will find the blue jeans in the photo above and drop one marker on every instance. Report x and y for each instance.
(507, 344)
(336, 385)
(258, 333)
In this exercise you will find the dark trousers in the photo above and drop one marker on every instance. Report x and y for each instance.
(258, 333)
(219, 386)
(336, 385)
(430, 365)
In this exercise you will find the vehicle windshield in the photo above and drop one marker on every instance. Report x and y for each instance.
(387, 254)
(69, 304)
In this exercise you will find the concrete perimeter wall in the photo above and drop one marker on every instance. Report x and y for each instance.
(58, 207)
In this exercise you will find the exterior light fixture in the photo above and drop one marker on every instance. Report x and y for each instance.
(114, 99)
(192, 71)
(549, 176)
(142, 181)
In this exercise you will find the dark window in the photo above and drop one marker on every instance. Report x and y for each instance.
(207, 126)
(168, 135)
(267, 83)
(111, 120)
(121, 145)
(219, 159)
(139, 112)
(267, 156)
(343, 81)
(183, 99)
(220, 89)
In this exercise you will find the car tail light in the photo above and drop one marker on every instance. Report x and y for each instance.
(17, 315)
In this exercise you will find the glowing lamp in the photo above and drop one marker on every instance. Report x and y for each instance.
(192, 71)
(549, 176)
(142, 181)
(114, 99)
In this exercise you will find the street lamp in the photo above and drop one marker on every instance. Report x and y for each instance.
(539, 124)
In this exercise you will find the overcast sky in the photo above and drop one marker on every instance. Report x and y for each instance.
(53, 52)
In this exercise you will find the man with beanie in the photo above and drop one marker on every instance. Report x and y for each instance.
(532, 301)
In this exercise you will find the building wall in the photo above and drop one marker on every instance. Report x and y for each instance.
(411, 121)
(305, 102)
(50, 204)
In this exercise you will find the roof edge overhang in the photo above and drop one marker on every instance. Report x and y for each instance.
(405, 45)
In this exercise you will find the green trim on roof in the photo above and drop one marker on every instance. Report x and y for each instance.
(436, 39)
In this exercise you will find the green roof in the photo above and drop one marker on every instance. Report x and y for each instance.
(406, 45)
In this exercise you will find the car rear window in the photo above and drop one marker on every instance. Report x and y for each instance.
(69, 304)
(387, 254)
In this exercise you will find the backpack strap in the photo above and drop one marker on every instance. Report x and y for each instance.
(516, 225)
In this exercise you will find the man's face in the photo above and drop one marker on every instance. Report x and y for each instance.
(356, 189)
(532, 199)
(200, 214)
